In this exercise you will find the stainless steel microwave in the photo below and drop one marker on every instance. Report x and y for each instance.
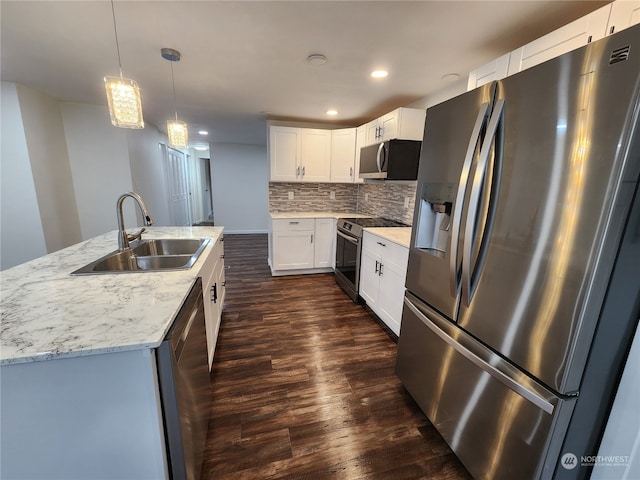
(391, 160)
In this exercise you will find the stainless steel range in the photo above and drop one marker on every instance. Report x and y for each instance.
(348, 248)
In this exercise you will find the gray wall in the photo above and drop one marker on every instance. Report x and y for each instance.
(50, 166)
(239, 181)
(21, 232)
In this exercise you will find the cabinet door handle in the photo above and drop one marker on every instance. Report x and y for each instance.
(294, 223)
(382, 244)
(380, 270)
(297, 171)
(351, 171)
(214, 292)
(312, 238)
(377, 263)
(303, 171)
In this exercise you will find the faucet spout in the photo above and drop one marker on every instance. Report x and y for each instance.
(123, 236)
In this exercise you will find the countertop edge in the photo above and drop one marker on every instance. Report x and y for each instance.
(19, 344)
(398, 235)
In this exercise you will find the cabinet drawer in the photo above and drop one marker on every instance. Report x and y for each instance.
(293, 224)
(389, 251)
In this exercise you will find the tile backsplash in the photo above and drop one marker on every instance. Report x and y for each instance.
(379, 199)
(387, 199)
(313, 197)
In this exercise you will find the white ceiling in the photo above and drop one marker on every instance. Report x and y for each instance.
(244, 61)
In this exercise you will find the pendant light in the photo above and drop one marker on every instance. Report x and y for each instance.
(176, 130)
(123, 94)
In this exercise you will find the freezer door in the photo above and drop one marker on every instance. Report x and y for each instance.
(499, 422)
(452, 141)
(536, 284)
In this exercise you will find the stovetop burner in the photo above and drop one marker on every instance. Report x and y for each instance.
(354, 226)
(375, 222)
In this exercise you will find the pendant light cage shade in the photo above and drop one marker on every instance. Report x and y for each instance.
(125, 107)
(178, 134)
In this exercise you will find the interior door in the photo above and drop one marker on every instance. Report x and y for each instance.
(178, 187)
(205, 188)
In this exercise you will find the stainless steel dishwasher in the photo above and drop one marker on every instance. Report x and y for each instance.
(185, 388)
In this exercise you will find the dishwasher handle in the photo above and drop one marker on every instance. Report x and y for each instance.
(185, 320)
(179, 347)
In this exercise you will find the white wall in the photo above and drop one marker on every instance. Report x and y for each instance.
(49, 160)
(446, 93)
(147, 171)
(240, 185)
(21, 232)
(620, 447)
(99, 158)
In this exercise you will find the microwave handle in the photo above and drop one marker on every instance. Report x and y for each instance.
(379, 161)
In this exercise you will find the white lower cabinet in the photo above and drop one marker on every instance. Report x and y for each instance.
(304, 245)
(383, 271)
(325, 243)
(213, 288)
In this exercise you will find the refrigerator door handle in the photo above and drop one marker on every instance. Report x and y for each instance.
(505, 379)
(469, 276)
(474, 140)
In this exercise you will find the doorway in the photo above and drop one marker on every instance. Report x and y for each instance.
(204, 166)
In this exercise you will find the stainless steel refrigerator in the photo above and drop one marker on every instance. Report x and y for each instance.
(524, 268)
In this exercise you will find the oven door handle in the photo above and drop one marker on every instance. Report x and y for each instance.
(348, 238)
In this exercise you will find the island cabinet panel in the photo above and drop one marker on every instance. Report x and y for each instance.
(213, 287)
(89, 417)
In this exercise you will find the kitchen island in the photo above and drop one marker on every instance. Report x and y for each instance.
(79, 388)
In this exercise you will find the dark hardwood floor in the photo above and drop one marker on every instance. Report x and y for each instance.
(304, 386)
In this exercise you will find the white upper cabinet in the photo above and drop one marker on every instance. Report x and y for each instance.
(343, 155)
(299, 154)
(624, 14)
(361, 136)
(494, 70)
(606, 20)
(284, 154)
(403, 123)
(315, 155)
(573, 35)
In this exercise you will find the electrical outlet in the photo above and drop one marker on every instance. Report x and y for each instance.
(406, 202)
(366, 197)
(290, 195)
(332, 195)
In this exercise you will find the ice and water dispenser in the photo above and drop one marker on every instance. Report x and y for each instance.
(434, 220)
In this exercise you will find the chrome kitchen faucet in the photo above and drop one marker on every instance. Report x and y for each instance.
(123, 237)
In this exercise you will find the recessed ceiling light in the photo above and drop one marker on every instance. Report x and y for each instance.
(332, 112)
(203, 132)
(201, 147)
(316, 59)
(379, 73)
(450, 77)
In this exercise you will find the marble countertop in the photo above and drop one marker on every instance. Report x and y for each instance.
(317, 215)
(399, 235)
(47, 314)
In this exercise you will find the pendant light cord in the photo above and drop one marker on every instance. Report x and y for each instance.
(115, 30)
(173, 83)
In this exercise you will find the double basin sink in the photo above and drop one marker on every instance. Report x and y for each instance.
(148, 256)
